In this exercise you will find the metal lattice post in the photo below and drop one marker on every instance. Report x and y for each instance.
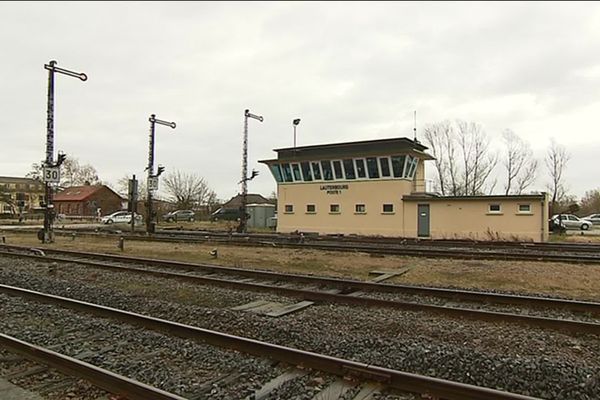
(150, 175)
(48, 236)
(243, 217)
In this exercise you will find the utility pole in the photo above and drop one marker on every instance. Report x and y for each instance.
(245, 178)
(51, 171)
(133, 198)
(153, 179)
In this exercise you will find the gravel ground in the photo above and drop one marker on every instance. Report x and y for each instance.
(530, 361)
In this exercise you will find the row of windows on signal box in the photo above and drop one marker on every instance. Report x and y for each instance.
(336, 209)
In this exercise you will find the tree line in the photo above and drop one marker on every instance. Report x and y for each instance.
(465, 161)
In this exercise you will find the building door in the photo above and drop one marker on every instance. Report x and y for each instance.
(423, 220)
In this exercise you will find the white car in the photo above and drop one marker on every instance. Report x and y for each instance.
(120, 217)
(593, 218)
(570, 221)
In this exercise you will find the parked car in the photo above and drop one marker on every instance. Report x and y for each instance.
(120, 217)
(227, 214)
(570, 221)
(180, 215)
(593, 218)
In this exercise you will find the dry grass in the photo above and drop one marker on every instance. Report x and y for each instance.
(555, 279)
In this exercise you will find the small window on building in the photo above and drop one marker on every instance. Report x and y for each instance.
(524, 208)
(337, 168)
(311, 209)
(388, 208)
(287, 173)
(289, 208)
(372, 168)
(316, 170)
(334, 208)
(360, 209)
(349, 169)
(385, 166)
(277, 172)
(327, 171)
(296, 170)
(306, 171)
(494, 208)
(360, 168)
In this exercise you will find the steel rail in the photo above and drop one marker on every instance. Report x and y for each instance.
(346, 285)
(490, 316)
(396, 379)
(102, 378)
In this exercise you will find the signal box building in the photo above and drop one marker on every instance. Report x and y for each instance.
(377, 188)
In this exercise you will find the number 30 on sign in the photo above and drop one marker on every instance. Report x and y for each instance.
(52, 174)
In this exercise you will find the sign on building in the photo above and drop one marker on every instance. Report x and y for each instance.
(51, 174)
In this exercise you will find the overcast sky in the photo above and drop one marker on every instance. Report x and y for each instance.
(350, 71)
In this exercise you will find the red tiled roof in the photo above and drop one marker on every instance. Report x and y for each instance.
(77, 193)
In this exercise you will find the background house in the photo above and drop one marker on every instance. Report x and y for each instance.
(20, 195)
(86, 200)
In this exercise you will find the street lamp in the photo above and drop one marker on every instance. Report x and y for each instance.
(295, 123)
(245, 178)
(51, 172)
(152, 183)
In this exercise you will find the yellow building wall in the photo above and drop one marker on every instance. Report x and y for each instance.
(373, 194)
(470, 219)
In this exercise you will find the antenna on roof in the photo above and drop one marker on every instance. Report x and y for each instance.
(415, 128)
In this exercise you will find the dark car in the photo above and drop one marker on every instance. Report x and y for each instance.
(180, 215)
(227, 214)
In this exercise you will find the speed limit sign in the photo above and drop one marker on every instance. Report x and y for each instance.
(51, 174)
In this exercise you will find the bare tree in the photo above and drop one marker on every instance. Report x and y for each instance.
(188, 190)
(521, 166)
(477, 158)
(439, 137)
(71, 173)
(556, 162)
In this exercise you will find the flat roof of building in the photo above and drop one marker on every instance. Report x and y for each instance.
(437, 197)
(363, 147)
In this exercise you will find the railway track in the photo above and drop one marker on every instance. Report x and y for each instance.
(455, 249)
(360, 372)
(530, 310)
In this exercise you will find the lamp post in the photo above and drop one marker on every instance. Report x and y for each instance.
(152, 183)
(245, 178)
(295, 123)
(51, 172)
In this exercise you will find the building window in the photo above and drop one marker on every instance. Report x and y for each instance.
(306, 171)
(494, 208)
(388, 208)
(327, 171)
(287, 173)
(276, 172)
(360, 168)
(385, 166)
(524, 208)
(360, 209)
(337, 168)
(372, 168)
(316, 170)
(296, 170)
(289, 208)
(349, 169)
(311, 209)
(334, 208)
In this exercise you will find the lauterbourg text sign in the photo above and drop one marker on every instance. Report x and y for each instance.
(334, 189)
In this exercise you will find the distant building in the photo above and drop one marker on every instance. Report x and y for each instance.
(18, 195)
(86, 200)
(236, 201)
